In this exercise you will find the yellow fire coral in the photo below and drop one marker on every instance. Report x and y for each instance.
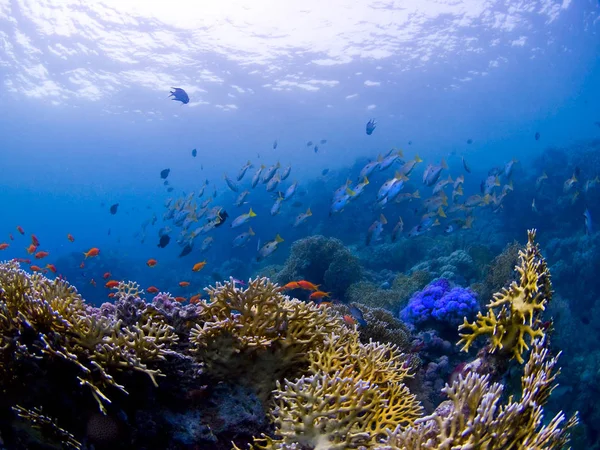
(474, 418)
(42, 318)
(519, 307)
(257, 335)
(353, 396)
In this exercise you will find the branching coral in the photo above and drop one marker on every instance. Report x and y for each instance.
(46, 320)
(353, 395)
(258, 327)
(47, 427)
(519, 307)
(474, 418)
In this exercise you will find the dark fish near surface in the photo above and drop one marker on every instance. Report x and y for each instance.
(316, 149)
(165, 173)
(371, 125)
(186, 250)
(323, 141)
(164, 241)
(409, 142)
(275, 144)
(179, 95)
(309, 143)
(113, 208)
(469, 141)
(170, 189)
(166, 183)
(324, 172)
(537, 135)
(467, 168)
(297, 204)
(194, 153)
(358, 315)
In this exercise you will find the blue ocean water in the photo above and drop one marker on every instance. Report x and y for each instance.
(86, 123)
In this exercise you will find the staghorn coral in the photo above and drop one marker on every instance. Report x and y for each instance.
(47, 427)
(519, 307)
(474, 418)
(47, 322)
(355, 392)
(258, 327)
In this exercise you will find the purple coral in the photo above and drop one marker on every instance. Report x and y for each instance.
(440, 303)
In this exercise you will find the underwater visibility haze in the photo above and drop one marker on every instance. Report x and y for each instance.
(275, 225)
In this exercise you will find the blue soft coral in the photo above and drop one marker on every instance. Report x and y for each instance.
(440, 303)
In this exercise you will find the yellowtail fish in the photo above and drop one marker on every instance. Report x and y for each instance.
(402, 197)
(341, 191)
(270, 173)
(267, 249)
(276, 206)
(240, 200)
(442, 184)
(286, 172)
(273, 183)
(340, 203)
(375, 230)
(359, 188)
(201, 192)
(290, 191)
(569, 183)
(508, 167)
(433, 203)
(368, 169)
(589, 184)
(206, 244)
(243, 170)
(230, 183)
(389, 160)
(477, 200)
(432, 173)
(389, 185)
(408, 167)
(397, 229)
(242, 239)
(242, 219)
(256, 176)
(301, 218)
(459, 180)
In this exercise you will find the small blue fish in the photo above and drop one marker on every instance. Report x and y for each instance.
(275, 144)
(358, 315)
(371, 125)
(588, 222)
(179, 95)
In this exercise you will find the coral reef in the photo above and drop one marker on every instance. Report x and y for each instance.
(258, 327)
(440, 304)
(500, 272)
(458, 267)
(519, 307)
(323, 261)
(474, 417)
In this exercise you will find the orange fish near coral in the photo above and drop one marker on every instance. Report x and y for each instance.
(291, 285)
(31, 249)
(94, 251)
(317, 295)
(93, 282)
(41, 255)
(70, 237)
(111, 295)
(198, 266)
(4, 246)
(195, 299)
(36, 269)
(184, 283)
(34, 240)
(111, 284)
(20, 229)
(151, 262)
(308, 285)
(152, 290)
(51, 268)
(181, 299)
(349, 320)
(24, 260)
(106, 275)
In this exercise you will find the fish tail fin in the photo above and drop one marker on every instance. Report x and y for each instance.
(416, 194)
(251, 213)
(382, 219)
(367, 180)
(418, 159)
(350, 192)
(443, 164)
(278, 239)
(459, 190)
(308, 212)
(497, 181)
(251, 231)
(441, 212)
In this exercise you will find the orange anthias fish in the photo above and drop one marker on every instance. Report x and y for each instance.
(318, 295)
(4, 246)
(24, 260)
(111, 295)
(181, 299)
(291, 285)
(198, 266)
(106, 276)
(31, 249)
(20, 229)
(195, 299)
(70, 237)
(308, 285)
(152, 290)
(51, 268)
(184, 283)
(151, 262)
(36, 269)
(34, 240)
(41, 255)
(111, 284)
(94, 251)
(349, 320)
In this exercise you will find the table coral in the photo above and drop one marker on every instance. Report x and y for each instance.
(514, 313)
